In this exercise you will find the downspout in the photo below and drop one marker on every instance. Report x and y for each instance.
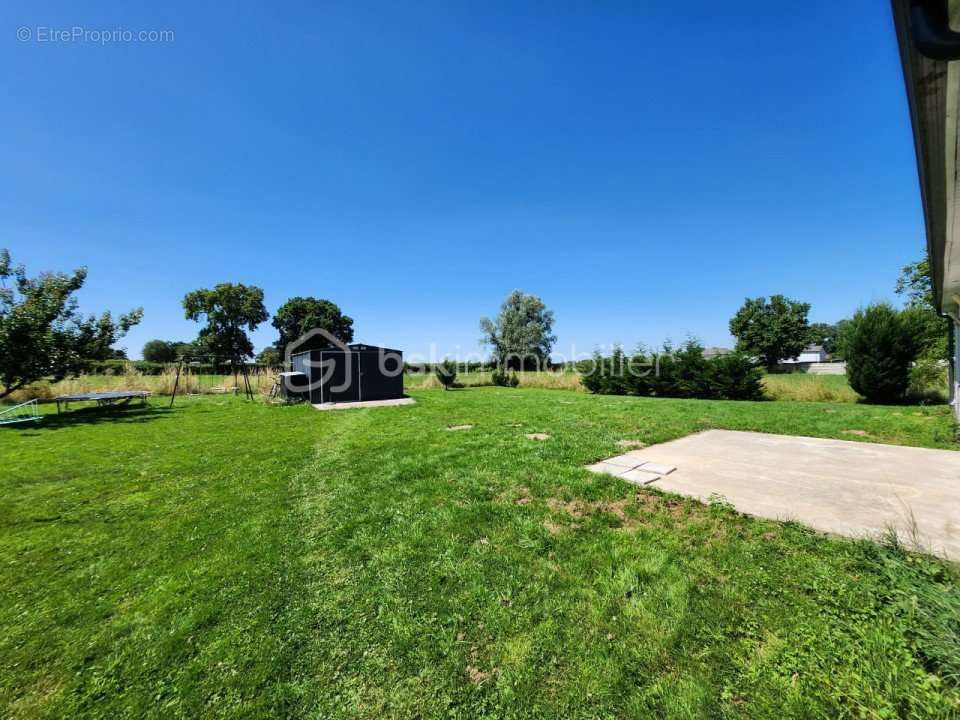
(954, 351)
(932, 36)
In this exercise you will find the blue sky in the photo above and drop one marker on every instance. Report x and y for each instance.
(641, 166)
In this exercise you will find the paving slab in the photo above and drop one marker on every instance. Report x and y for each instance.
(851, 488)
(640, 476)
(628, 461)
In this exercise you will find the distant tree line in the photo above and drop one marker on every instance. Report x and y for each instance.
(43, 335)
(891, 354)
(229, 311)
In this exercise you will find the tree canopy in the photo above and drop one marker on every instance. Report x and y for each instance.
(933, 331)
(229, 310)
(160, 351)
(520, 337)
(42, 334)
(299, 315)
(270, 357)
(827, 335)
(773, 330)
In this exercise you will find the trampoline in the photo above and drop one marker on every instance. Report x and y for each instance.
(103, 398)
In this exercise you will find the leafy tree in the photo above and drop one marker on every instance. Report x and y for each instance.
(881, 345)
(916, 283)
(838, 342)
(933, 331)
(270, 357)
(190, 350)
(773, 330)
(93, 337)
(446, 373)
(159, 351)
(41, 332)
(827, 335)
(229, 310)
(520, 336)
(301, 314)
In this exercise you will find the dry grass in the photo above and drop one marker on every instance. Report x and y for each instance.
(543, 380)
(130, 379)
(815, 388)
(790, 387)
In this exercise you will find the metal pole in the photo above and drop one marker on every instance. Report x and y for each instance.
(247, 390)
(176, 382)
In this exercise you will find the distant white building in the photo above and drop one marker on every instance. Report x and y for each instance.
(810, 354)
(712, 352)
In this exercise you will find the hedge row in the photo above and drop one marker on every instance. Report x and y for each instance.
(117, 367)
(685, 373)
(461, 367)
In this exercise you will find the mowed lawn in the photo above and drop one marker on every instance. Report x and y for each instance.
(235, 559)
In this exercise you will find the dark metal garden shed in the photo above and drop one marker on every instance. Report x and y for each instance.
(352, 373)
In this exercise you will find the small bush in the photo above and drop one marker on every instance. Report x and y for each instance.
(502, 379)
(929, 376)
(880, 348)
(446, 373)
(682, 374)
(734, 377)
(617, 374)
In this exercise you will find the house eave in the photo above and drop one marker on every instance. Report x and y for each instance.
(932, 93)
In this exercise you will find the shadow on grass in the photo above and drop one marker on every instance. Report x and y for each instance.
(89, 416)
(924, 398)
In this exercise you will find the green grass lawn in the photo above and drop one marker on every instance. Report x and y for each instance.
(241, 559)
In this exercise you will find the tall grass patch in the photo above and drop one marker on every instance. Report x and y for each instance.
(130, 378)
(811, 388)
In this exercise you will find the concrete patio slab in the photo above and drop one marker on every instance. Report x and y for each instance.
(850, 488)
(632, 468)
(608, 468)
(365, 404)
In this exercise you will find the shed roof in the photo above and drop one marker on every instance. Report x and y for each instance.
(355, 347)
